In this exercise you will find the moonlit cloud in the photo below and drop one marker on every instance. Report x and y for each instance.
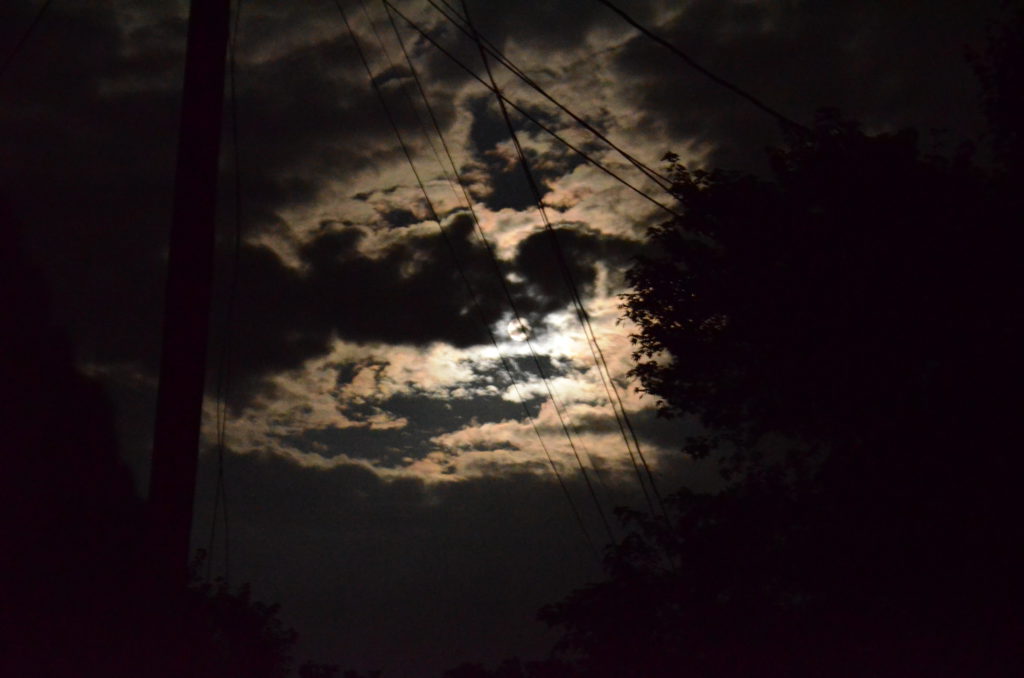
(348, 295)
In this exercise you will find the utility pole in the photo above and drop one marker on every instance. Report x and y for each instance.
(188, 295)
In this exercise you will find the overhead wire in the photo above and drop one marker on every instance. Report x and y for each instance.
(220, 502)
(598, 355)
(455, 178)
(540, 204)
(783, 119)
(688, 60)
(606, 378)
(404, 90)
(532, 118)
(622, 421)
(573, 288)
(559, 408)
(408, 155)
(19, 44)
(663, 182)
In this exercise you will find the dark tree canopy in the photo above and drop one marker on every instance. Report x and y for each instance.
(75, 592)
(831, 304)
(848, 331)
(848, 334)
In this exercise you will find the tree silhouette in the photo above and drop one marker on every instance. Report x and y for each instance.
(848, 335)
(75, 597)
(784, 306)
(71, 513)
(230, 634)
(998, 68)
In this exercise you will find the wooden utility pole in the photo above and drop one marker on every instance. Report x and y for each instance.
(188, 294)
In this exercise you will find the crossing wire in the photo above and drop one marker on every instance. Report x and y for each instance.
(455, 178)
(598, 355)
(622, 420)
(560, 408)
(536, 191)
(220, 501)
(408, 155)
(663, 182)
(595, 347)
(526, 114)
(402, 88)
(556, 246)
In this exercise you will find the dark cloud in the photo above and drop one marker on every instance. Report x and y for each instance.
(426, 415)
(508, 183)
(441, 414)
(406, 577)
(90, 117)
(444, 72)
(548, 27)
(524, 368)
(306, 119)
(89, 164)
(412, 293)
(384, 448)
(509, 187)
(397, 576)
(580, 249)
(877, 61)
(399, 218)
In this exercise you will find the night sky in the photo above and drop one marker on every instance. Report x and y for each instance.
(383, 483)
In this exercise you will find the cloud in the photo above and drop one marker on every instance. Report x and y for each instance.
(398, 575)
(337, 242)
(443, 414)
(876, 61)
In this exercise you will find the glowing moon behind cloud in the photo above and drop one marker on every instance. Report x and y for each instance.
(519, 330)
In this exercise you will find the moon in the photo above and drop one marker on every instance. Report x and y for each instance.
(519, 330)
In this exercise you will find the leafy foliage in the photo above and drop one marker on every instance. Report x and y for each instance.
(849, 330)
(998, 68)
(233, 635)
(76, 592)
(823, 305)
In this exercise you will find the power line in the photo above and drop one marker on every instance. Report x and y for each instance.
(575, 297)
(23, 38)
(394, 126)
(433, 119)
(469, 202)
(536, 191)
(220, 501)
(735, 89)
(522, 111)
(493, 257)
(662, 181)
(403, 88)
(465, 194)
(599, 357)
(622, 422)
